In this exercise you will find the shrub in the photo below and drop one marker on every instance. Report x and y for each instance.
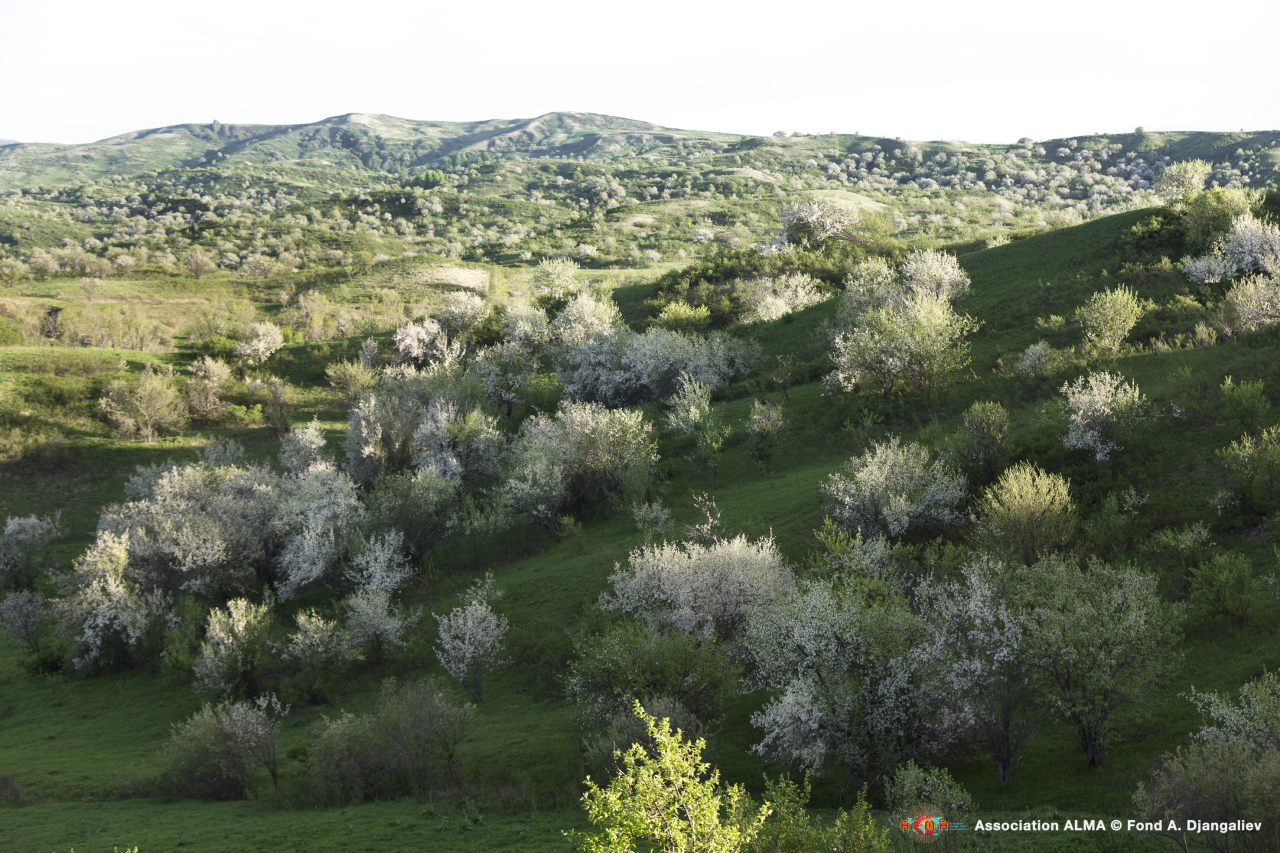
(636, 661)
(1253, 468)
(817, 224)
(146, 406)
(235, 645)
(1225, 586)
(420, 343)
(216, 753)
(1252, 303)
(690, 413)
(553, 281)
(463, 313)
(1209, 214)
(767, 299)
(408, 744)
(1252, 245)
(301, 449)
(260, 343)
(1101, 408)
(912, 785)
(1245, 403)
(26, 549)
(985, 428)
(1027, 514)
(351, 379)
(22, 616)
(936, 274)
(1187, 544)
(1208, 269)
(764, 429)
(1108, 316)
(1221, 782)
(706, 590)
(680, 316)
(893, 488)
(471, 638)
(202, 392)
(322, 649)
(639, 804)
(1177, 182)
(920, 341)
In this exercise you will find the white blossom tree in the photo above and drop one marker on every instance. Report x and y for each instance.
(892, 488)
(471, 637)
(707, 590)
(1100, 408)
(259, 343)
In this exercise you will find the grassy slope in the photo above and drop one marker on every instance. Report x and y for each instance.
(525, 729)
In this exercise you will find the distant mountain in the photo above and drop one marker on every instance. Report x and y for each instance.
(8, 142)
(380, 143)
(356, 140)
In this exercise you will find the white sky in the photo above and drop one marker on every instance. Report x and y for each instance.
(984, 71)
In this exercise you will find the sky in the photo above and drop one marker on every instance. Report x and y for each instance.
(78, 71)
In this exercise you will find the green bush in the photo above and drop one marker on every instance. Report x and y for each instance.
(1220, 781)
(216, 753)
(633, 661)
(1225, 586)
(1209, 214)
(1245, 403)
(407, 745)
(1027, 514)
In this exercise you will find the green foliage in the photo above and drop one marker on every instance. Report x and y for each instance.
(1108, 316)
(671, 800)
(1252, 464)
(1180, 181)
(634, 661)
(1245, 403)
(1026, 515)
(1227, 779)
(680, 316)
(764, 429)
(986, 426)
(1209, 214)
(407, 746)
(913, 785)
(1107, 528)
(1225, 586)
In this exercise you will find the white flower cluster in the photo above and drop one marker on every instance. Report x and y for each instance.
(1254, 302)
(419, 343)
(1100, 406)
(234, 639)
(21, 615)
(1208, 269)
(463, 312)
(25, 548)
(260, 343)
(703, 590)
(1253, 245)
(892, 488)
(1254, 720)
(769, 299)
(471, 638)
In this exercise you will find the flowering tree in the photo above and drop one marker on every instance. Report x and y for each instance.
(471, 638)
(668, 800)
(22, 615)
(919, 341)
(1100, 408)
(1253, 245)
(706, 590)
(847, 688)
(260, 343)
(26, 549)
(300, 449)
(765, 427)
(419, 343)
(1253, 303)
(553, 280)
(937, 274)
(463, 312)
(817, 224)
(216, 752)
(690, 414)
(977, 638)
(146, 406)
(768, 299)
(892, 488)
(507, 371)
(375, 623)
(202, 392)
(234, 645)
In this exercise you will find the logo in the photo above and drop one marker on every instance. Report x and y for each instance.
(925, 824)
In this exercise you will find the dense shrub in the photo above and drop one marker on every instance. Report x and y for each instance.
(1027, 514)
(217, 752)
(406, 746)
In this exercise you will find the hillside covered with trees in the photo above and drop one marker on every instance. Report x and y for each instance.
(388, 484)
